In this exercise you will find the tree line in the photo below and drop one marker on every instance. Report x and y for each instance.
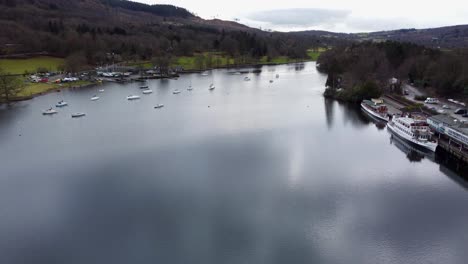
(66, 30)
(443, 73)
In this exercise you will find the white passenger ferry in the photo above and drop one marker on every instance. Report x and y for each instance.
(376, 108)
(413, 130)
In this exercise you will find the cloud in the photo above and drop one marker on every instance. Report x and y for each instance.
(300, 17)
(337, 20)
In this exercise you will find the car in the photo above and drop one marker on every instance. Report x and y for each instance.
(430, 100)
(446, 107)
(406, 92)
(461, 111)
(441, 111)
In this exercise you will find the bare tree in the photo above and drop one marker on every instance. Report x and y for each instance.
(10, 86)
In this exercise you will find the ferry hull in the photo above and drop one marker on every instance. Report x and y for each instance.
(430, 146)
(373, 114)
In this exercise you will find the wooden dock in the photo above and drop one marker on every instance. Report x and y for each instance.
(453, 149)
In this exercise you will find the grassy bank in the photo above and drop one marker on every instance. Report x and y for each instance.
(206, 60)
(31, 89)
(20, 66)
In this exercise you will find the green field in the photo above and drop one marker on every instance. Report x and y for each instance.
(30, 89)
(221, 60)
(20, 66)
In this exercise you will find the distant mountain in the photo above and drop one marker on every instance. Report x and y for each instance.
(443, 37)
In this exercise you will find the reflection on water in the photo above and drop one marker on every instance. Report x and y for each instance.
(413, 153)
(269, 173)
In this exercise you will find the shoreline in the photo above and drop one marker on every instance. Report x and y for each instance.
(32, 96)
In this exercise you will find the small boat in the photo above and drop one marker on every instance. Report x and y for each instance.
(204, 74)
(133, 97)
(176, 92)
(277, 76)
(144, 87)
(375, 108)
(271, 81)
(212, 87)
(189, 88)
(413, 130)
(61, 104)
(147, 91)
(246, 79)
(95, 98)
(77, 115)
(49, 111)
(101, 90)
(159, 106)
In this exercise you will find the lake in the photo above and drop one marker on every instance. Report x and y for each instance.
(251, 172)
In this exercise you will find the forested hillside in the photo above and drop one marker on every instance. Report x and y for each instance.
(441, 72)
(93, 29)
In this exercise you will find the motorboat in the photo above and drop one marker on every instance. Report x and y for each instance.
(277, 76)
(159, 106)
(204, 74)
(176, 92)
(271, 81)
(147, 91)
(414, 130)
(133, 97)
(101, 90)
(49, 111)
(144, 87)
(212, 87)
(95, 98)
(246, 79)
(61, 104)
(75, 115)
(190, 88)
(375, 108)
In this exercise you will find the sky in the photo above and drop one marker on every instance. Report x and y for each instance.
(331, 15)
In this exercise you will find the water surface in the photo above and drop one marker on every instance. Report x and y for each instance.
(252, 172)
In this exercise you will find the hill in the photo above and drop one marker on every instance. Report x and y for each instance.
(450, 37)
(103, 31)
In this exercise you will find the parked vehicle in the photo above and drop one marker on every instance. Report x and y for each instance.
(461, 111)
(430, 100)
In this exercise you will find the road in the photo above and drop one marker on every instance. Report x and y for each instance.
(413, 91)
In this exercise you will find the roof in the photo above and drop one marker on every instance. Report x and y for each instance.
(462, 128)
(445, 119)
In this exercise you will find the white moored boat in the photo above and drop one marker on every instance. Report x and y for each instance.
(95, 98)
(77, 115)
(133, 97)
(176, 92)
(149, 91)
(49, 111)
(413, 130)
(61, 104)
(159, 106)
(375, 108)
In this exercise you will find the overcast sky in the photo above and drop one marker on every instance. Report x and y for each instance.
(331, 15)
